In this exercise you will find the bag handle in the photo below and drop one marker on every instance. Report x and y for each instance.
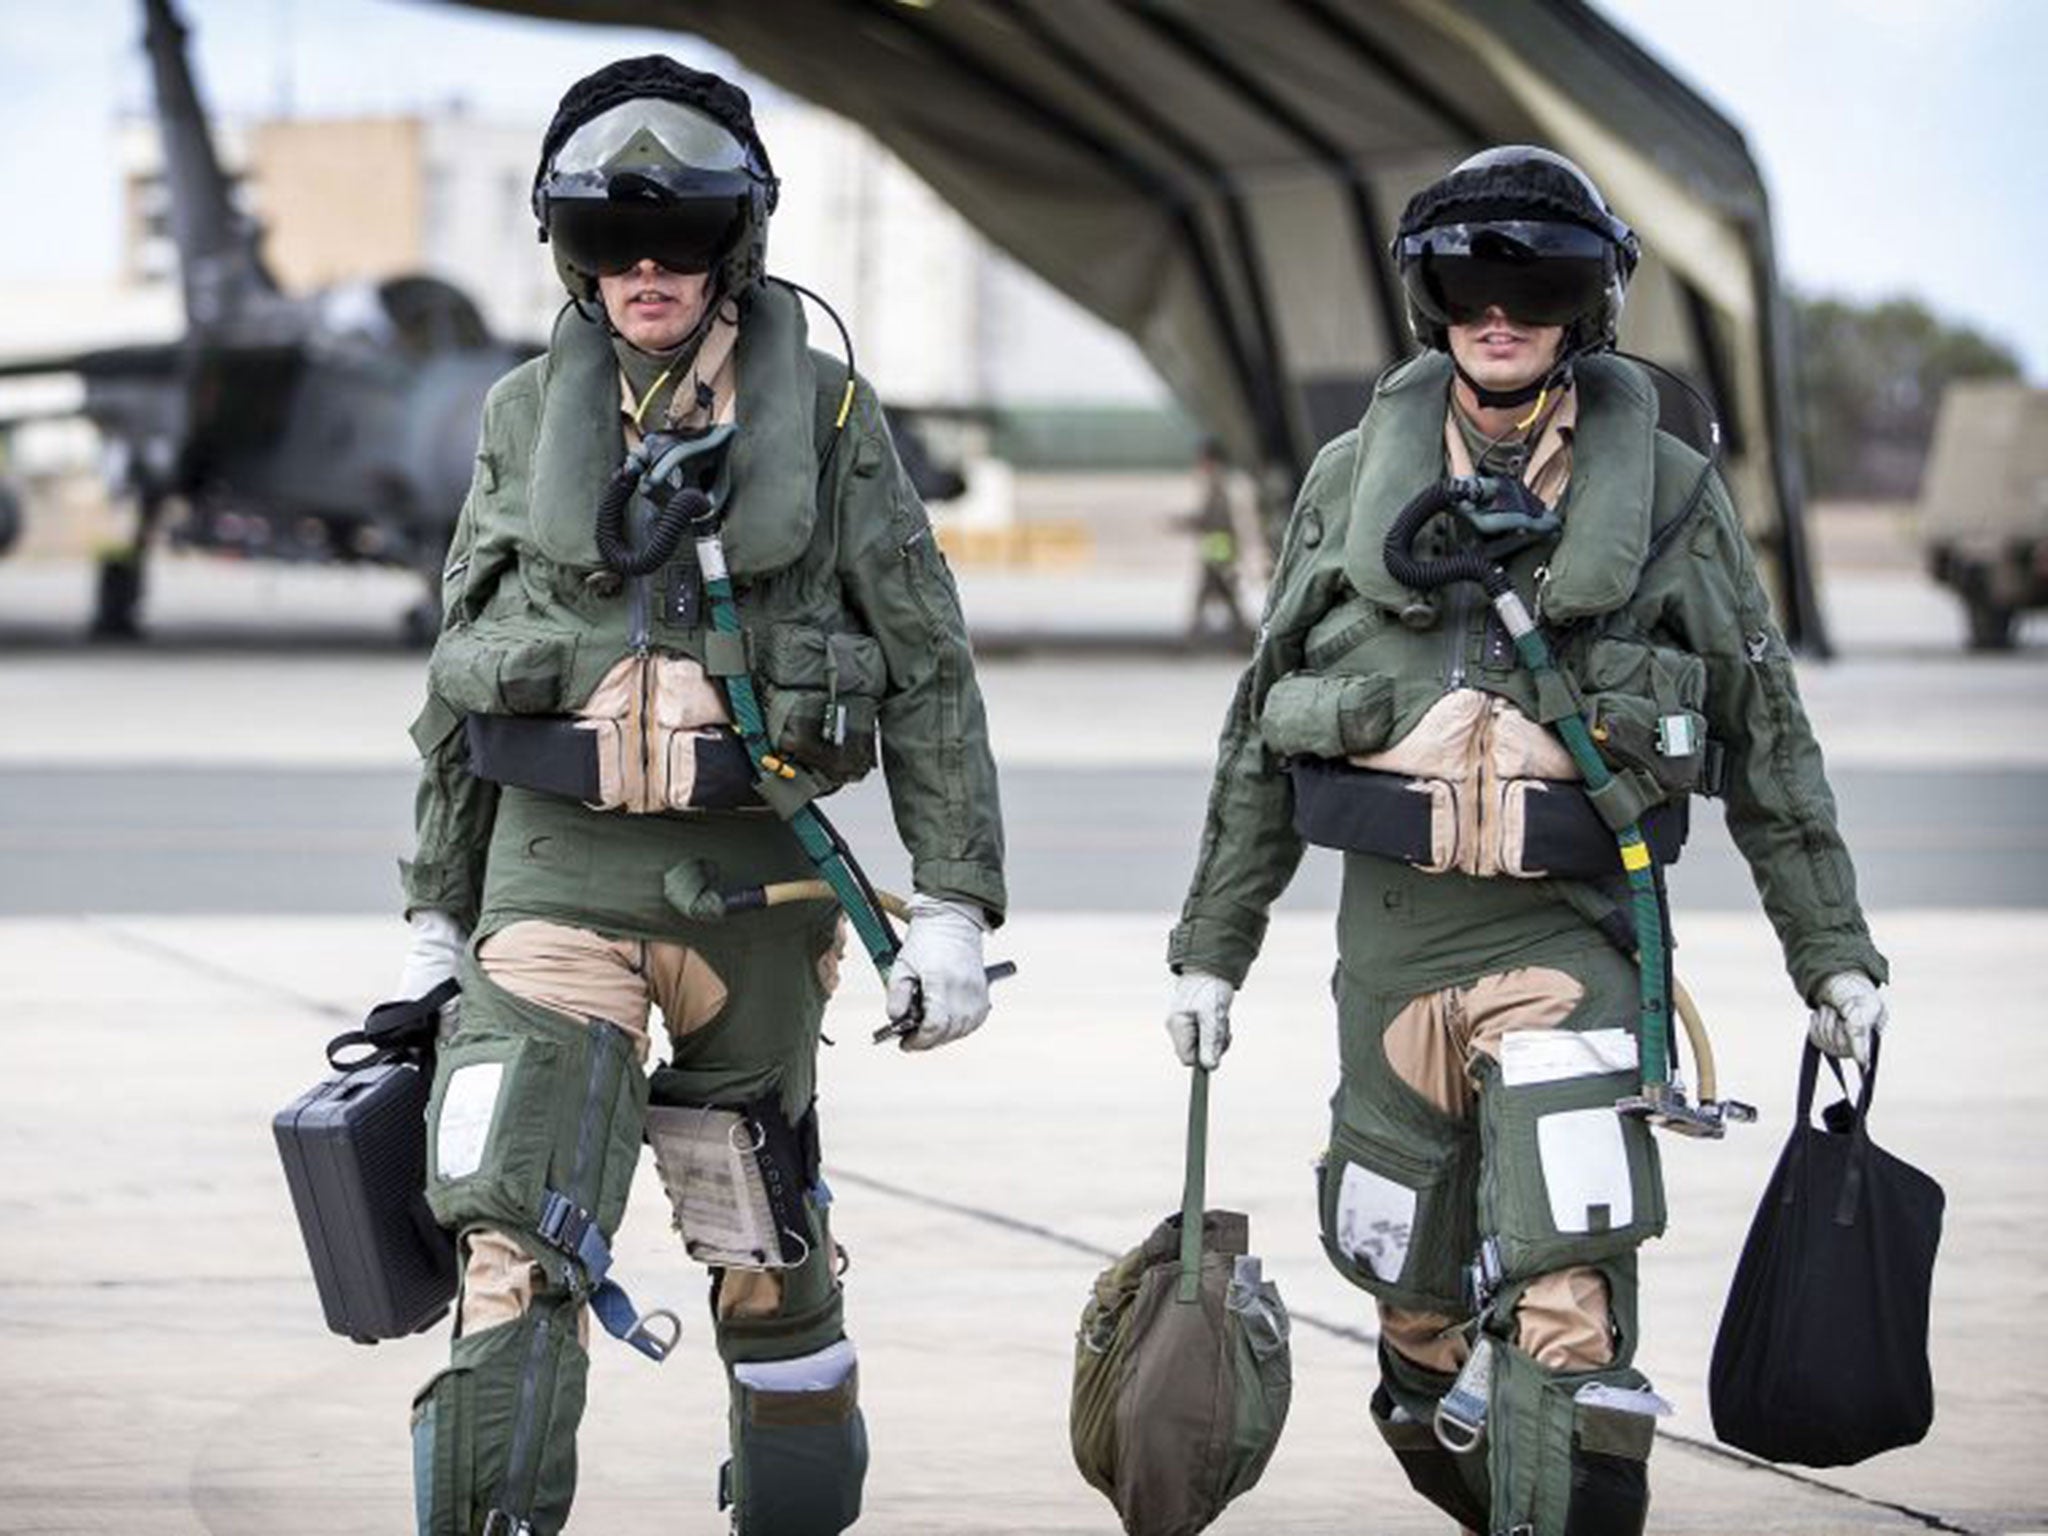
(1851, 1194)
(1192, 1197)
(1809, 1074)
(396, 1031)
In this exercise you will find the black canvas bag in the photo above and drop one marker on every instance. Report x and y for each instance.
(1822, 1354)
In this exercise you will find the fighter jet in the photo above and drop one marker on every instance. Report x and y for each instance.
(334, 426)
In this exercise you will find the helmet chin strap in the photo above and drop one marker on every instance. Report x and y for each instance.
(1557, 377)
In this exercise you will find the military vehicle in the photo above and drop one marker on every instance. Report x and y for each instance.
(1984, 504)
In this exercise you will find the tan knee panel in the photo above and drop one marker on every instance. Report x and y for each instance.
(749, 1293)
(1431, 1340)
(1565, 1321)
(499, 1279)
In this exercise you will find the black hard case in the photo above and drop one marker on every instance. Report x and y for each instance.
(355, 1155)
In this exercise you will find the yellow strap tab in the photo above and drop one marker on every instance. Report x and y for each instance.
(1635, 856)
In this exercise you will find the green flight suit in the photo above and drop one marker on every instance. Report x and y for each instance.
(850, 615)
(1338, 674)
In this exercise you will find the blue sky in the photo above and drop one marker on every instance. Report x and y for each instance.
(1902, 139)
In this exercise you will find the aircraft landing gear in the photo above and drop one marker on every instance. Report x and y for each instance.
(117, 600)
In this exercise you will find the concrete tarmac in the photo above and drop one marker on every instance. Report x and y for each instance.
(163, 1363)
(166, 1367)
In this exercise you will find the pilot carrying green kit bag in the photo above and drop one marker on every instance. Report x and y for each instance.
(1181, 1368)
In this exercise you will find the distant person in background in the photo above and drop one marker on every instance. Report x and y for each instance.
(1217, 551)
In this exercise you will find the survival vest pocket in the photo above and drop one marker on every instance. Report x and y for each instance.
(1311, 715)
(1646, 703)
(491, 669)
(823, 694)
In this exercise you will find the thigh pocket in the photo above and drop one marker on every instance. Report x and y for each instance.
(520, 1114)
(490, 1123)
(1397, 1222)
(1567, 1179)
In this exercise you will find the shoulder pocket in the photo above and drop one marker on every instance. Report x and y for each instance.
(823, 693)
(1647, 704)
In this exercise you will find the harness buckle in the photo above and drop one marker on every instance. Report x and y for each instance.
(568, 1227)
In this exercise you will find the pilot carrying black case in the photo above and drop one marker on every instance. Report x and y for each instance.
(354, 1148)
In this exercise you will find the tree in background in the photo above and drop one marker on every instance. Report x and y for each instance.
(1870, 384)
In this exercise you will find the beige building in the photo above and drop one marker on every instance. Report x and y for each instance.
(938, 316)
(345, 200)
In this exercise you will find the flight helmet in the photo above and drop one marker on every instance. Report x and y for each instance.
(650, 158)
(1524, 228)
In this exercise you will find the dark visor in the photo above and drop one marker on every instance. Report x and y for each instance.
(607, 238)
(1538, 273)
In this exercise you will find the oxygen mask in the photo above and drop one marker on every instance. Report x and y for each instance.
(681, 475)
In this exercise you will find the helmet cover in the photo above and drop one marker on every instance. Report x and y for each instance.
(648, 158)
(1522, 228)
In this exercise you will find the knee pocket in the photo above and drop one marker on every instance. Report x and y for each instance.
(799, 1444)
(496, 1431)
(1455, 1484)
(531, 1110)
(1565, 1178)
(1574, 1464)
(1397, 1218)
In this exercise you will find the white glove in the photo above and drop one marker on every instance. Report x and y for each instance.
(939, 968)
(1198, 1018)
(437, 945)
(1848, 1014)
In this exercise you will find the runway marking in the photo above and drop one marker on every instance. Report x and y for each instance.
(218, 972)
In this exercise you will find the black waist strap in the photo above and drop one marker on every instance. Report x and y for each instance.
(556, 755)
(1361, 811)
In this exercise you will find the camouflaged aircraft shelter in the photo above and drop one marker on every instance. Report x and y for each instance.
(1219, 179)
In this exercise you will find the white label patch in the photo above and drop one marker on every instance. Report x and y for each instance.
(466, 1113)
(818, 1372)
(1375, 1220)
(1624, 1400)
(1550, 1055)
(1585, 1167)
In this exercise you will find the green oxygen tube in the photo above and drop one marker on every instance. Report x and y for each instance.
(684, 472)
(1507, 513)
